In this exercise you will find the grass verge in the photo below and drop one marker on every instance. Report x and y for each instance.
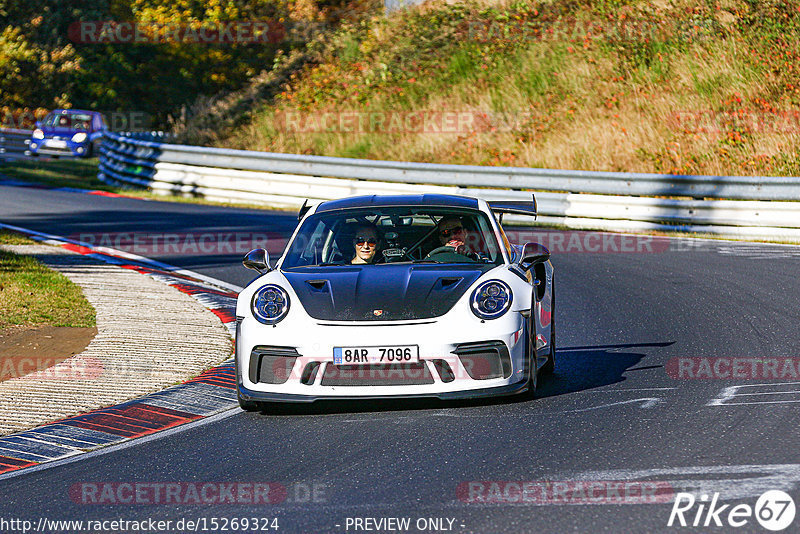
(33, 295)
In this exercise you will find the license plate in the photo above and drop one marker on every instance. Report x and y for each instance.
(372, 355)
(57, 144)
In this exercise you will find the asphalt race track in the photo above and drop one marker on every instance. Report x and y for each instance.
(615, 414)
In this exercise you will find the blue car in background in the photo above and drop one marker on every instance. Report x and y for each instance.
(68, 132)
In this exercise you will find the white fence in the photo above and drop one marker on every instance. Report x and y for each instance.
(749, 207)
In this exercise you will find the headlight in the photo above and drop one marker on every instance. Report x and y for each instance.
(491, 299)
(270, 304)
(79, 137)
(38, 134)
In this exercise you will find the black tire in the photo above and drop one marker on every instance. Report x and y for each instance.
(550, 364)
(533, 377)
(246, 405)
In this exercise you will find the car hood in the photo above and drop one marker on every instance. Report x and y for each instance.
(382, 292)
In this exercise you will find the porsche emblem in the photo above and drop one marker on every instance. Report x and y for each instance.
(377, 313)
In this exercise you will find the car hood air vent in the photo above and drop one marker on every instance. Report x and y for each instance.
(447, 282)
(319, 285)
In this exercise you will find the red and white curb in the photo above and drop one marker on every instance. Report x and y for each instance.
(212, 392)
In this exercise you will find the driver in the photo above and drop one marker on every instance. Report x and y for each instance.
(453, 237)
(365, 243)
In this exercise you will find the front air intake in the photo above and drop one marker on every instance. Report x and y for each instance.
(485, 360)
(271, 365)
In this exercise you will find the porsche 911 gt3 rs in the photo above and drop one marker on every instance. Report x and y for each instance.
(396, 296)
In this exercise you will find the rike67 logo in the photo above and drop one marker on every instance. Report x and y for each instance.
(774, 510)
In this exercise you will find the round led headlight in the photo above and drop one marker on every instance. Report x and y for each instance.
(491, 299)
(270, 304)
(38, 134)
(79, 137)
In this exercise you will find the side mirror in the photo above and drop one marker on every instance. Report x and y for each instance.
(258, 260)
(38, 124)
(533, 253)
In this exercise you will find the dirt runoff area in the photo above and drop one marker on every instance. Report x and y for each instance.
(29, 349)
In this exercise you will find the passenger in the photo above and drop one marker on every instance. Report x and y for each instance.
(365, 243)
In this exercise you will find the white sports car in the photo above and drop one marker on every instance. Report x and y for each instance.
(393, 297)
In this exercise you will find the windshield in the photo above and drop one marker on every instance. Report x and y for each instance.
(72, 121)
(394, 234)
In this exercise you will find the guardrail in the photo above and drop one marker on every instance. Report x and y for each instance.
(577, 199)
(14, 141)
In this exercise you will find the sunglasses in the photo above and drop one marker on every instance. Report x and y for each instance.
(452, 231)
(360, 240)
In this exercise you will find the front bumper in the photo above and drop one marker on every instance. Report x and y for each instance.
(497, 391)
(448, 372)
(69, 148)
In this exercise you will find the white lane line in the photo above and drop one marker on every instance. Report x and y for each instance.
(762, 402)
(767, 393)
(623, 390)
(725, 395)
(218, 416)
(59, 240)
(648, 402)
(734, 392)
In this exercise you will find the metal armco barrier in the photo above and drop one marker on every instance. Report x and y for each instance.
(14, 141)
(578, 199)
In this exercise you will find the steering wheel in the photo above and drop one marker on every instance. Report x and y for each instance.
(447, 250)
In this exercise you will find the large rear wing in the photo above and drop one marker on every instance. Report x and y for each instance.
(517, 207)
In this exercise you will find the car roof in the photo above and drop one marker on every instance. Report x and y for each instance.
(371, 201)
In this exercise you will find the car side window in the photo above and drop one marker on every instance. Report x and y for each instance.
(308, 247)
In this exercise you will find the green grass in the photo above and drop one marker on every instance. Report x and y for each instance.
(33, 295)
(13, 238)
(77, 173)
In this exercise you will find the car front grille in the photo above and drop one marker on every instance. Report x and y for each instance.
(396, 374)
(56, 151)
